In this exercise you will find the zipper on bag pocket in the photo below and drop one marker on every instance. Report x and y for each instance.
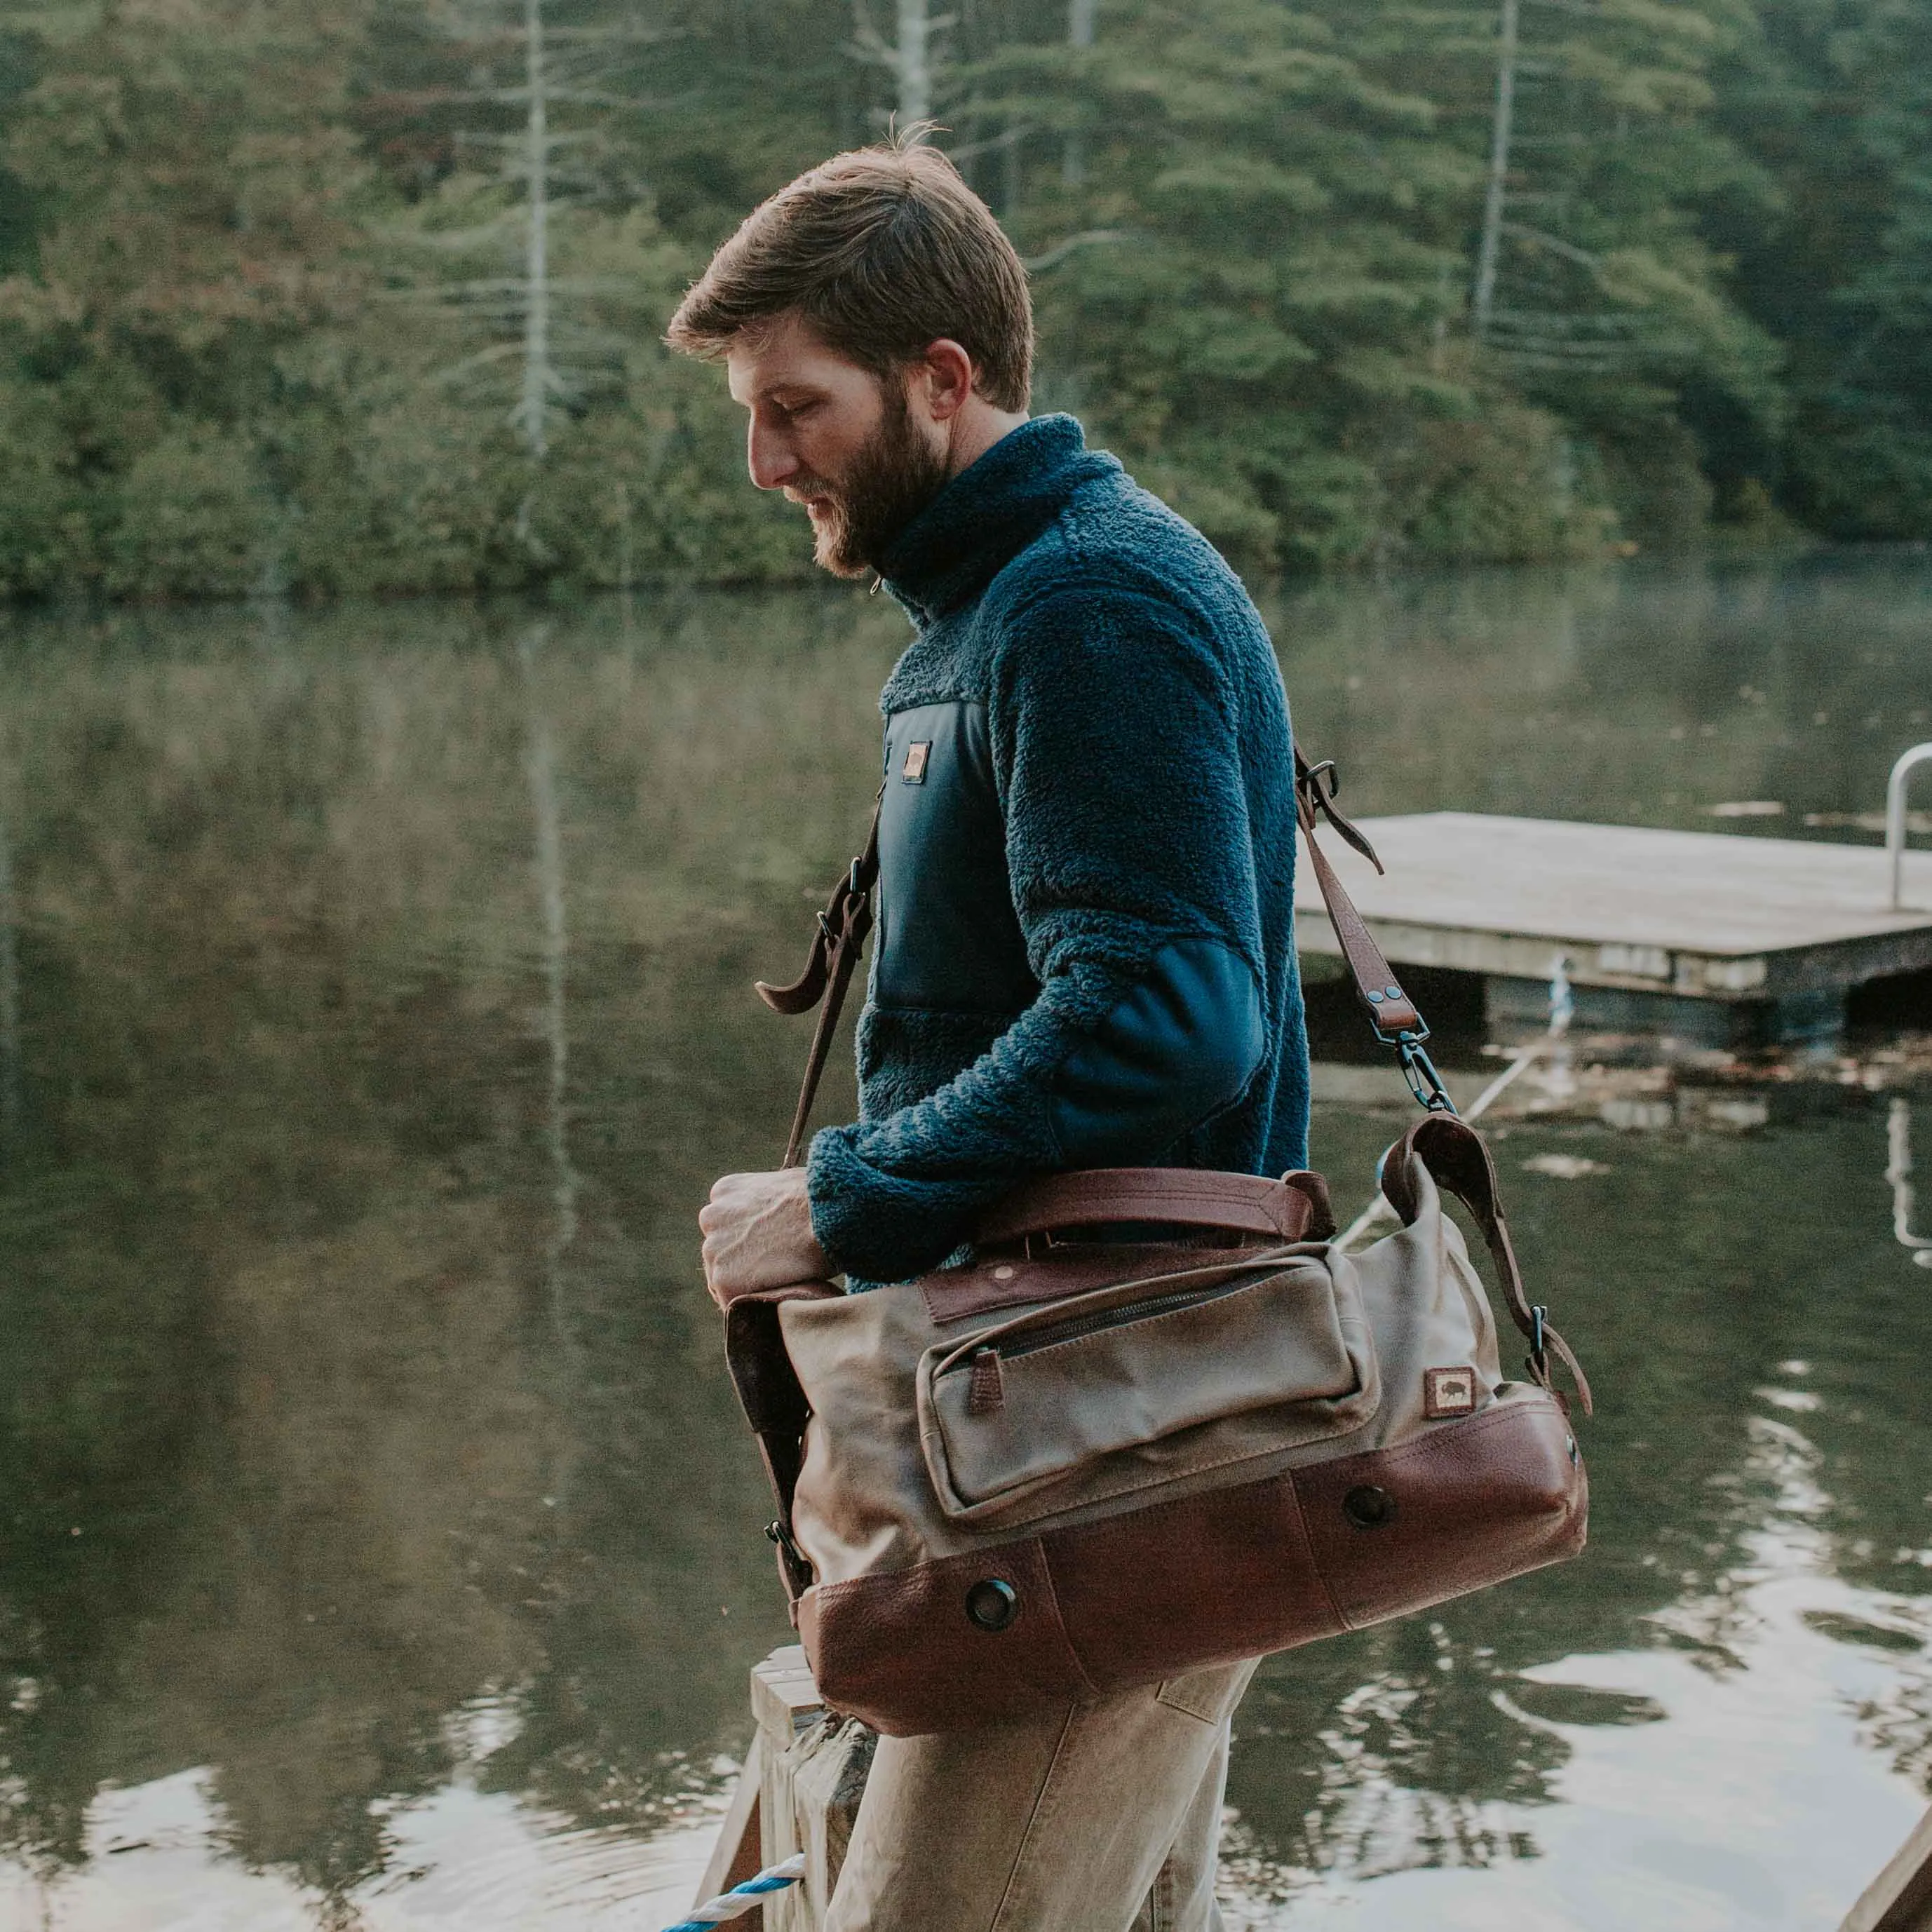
(984, 1363)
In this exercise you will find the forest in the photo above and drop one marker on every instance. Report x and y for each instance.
(316, 298)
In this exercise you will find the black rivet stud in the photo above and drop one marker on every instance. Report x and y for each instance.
(1368, 1506)
(1375, 997)
(992, 1604)
(1391, 992)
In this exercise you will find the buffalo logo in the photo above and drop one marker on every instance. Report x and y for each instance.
(1448, 1392)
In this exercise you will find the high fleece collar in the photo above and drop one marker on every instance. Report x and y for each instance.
(987, 514)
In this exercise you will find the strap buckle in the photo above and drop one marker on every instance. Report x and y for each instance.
(1316, 788)
(1312, 777)
(1419, 1070)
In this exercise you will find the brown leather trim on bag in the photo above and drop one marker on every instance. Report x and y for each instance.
(907, 1641)
(1207, 1579)
(1293, 1208)
(1459, 1159)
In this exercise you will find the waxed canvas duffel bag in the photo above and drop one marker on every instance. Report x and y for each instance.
(1081, 1463)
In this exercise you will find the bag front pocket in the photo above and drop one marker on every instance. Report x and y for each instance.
(1134, 1386)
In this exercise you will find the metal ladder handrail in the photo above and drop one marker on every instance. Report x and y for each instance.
(1898, 1177)
(1895, 818)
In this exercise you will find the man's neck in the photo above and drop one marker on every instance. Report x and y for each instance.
(975, 430)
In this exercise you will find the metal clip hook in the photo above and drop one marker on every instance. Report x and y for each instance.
(1419, 1070)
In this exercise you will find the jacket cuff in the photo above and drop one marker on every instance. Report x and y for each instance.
(875, 1227)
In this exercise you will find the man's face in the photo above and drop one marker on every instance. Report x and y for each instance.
(845, 443)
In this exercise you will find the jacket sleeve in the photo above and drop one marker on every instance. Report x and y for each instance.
(1114, 739)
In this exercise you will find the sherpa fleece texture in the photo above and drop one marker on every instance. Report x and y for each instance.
(1141, 759)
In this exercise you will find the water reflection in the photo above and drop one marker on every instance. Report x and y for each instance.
(9, 994)
(380, 1544)
(554, 952)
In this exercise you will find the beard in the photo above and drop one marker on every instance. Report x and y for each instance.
(893, 478)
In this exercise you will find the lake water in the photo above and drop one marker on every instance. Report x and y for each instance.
(379, 1545)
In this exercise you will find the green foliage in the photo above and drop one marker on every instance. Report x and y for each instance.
(261, 320)
(1833, 100)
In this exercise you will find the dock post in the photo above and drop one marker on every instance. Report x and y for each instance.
(807, 1767)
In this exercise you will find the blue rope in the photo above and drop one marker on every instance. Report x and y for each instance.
(741, 1898)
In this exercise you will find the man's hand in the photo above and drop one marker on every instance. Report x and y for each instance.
(757, 1234)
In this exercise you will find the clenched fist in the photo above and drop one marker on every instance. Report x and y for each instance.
(757, 1234)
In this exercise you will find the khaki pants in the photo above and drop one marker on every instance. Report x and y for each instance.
(1103, 1816)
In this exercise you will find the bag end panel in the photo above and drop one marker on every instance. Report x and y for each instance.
(1463, 1506)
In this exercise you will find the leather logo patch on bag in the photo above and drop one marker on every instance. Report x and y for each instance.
(913, 772)
(1448, 1392)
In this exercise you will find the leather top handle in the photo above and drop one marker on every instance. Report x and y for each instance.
(1294, 1208)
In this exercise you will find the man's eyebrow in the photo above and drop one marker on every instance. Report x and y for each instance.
(784, 386)
(777, 389)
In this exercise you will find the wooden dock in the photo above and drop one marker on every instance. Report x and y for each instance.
(1721, 939)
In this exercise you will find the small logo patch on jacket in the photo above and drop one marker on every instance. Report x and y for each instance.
(1448, 1392)
(914, 770)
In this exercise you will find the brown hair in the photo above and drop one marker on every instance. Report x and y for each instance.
(882, 251)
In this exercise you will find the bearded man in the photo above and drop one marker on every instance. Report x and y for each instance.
(1086, 950)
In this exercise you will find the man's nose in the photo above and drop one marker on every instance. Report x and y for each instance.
(768, 456)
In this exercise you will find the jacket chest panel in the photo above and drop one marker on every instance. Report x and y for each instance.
(947, 936)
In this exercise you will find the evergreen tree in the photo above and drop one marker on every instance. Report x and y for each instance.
(282, 306)
(193, 192)
(1834, 98)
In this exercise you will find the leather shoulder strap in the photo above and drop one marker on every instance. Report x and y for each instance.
(835, 950)
(840, 941)
(1390, 1010)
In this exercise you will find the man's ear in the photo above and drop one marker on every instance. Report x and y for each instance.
(943, 379)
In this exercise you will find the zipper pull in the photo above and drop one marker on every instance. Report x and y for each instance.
(986, 1391)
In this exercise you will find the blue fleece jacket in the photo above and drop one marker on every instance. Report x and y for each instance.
(1085, 948)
